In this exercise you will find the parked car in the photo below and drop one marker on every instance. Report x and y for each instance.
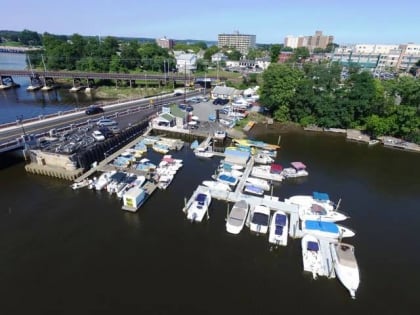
(189, 108)
(220, 101)
(92, 110)
(98, 136)
(182, 106)
(106, 122)
(114, 129)
(106, 132)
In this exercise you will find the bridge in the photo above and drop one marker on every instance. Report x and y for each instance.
(144, 76)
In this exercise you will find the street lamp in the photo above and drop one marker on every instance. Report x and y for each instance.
(19, 119)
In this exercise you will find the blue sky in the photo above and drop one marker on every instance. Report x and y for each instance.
(355, 21)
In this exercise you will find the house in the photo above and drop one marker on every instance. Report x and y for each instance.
(224, 92)
(218, 57)
(262, 63)
(186, 62)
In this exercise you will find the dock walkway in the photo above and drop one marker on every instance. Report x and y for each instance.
(104, 164)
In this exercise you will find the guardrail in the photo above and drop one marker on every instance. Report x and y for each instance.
(19, 142)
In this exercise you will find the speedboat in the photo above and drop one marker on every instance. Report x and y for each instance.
(311, 208)
(326, 229)
(263, 158)
(311, 255)
(279, 227)
(103, 180)
(260, 219)
(345, 266)
(81, 184)
(298, 169)
(249, 188)
(212, 184)
(199, 206)
(258, 182)
(237, 216)
(266, 172)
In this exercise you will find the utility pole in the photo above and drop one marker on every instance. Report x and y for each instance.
(185, 81)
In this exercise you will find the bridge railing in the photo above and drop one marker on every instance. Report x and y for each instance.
(19, 142)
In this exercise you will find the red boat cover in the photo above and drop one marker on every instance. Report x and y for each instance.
(276, 168)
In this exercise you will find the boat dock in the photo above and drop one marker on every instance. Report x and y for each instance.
(104, 165)
(272, 202)
(327, 264)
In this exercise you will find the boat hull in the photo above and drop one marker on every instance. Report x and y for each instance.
(311, 255)
(345, 266)
(237, 217)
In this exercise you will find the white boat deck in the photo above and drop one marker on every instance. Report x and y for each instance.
(199, 189)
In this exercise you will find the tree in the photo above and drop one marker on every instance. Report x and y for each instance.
(279, 85)
(234, 55)
(210, 52)
(300, 54)
(275, 52)
(130, 56)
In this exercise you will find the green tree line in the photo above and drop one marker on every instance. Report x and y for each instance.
(317, 94)
(100, 55)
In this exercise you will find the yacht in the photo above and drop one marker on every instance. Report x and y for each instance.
(260, 219)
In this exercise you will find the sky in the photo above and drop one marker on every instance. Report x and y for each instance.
(355, 21)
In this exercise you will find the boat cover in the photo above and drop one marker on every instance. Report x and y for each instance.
(276, 168)
(298, 165)
(320, 196)
(201, 198)
(313, 246)
(279, 230)
(254, 189)
(321, 226)
(260, 218)
(227, 178)
(280, 219)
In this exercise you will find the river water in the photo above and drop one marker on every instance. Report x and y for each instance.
(77, 252)
(18, 102)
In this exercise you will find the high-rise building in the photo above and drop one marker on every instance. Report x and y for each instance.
(240, 42)
(311, 42)
(165, 42)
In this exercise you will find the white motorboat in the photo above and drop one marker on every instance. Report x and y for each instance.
(260, 218)
(279, 227)
(215, 185)
(203, 153)
(326, 229)
(345, 266)
(164, 181)
(315, 209)
(263, 158)
(199, 206)
(258, 182)
(103, 180)
(266, 172)
(81, 184)
(237, 216)
(311, 255)
(298, 169)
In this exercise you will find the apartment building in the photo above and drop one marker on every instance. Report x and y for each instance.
(165, 42)
(318, 40)
(382, 57)
(241, 42)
